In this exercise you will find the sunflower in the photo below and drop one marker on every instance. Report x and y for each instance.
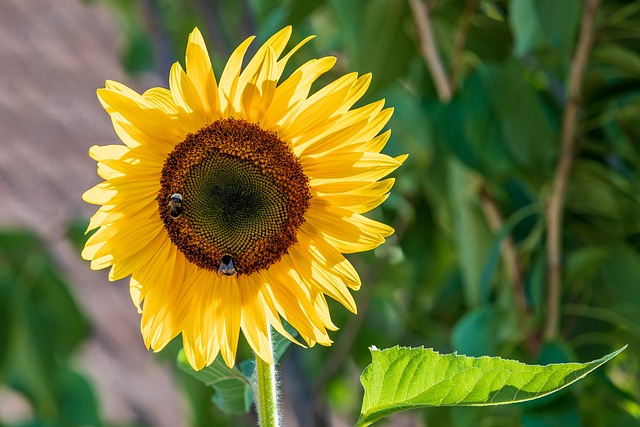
(232, 202)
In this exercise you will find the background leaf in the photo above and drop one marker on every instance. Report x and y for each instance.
(43, 327)
(232, 387)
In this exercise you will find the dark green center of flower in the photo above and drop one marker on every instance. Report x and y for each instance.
(232, 203)
(242, 195)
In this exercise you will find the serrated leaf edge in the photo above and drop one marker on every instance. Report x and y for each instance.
(382, 411)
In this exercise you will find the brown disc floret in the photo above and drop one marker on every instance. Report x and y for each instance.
(243, 195)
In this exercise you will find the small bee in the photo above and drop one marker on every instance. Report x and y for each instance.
(175, 205)
(226, 266)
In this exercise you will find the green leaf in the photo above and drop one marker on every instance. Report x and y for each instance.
(375, 37)
(527, 32)
(76, 401)
(481, 331)
(490, 39)
(232, 388)
(584, 263)
(618, 57)
(44, 326)
(471, 233)
(564, 413)
(544, 24)
(137, 55)
(403, 378)
(527, 129)
(280, 342)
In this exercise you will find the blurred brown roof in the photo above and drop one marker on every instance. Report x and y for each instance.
(53, 56)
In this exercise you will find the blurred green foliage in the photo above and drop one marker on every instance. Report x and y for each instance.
(444, 279)
(41, 325)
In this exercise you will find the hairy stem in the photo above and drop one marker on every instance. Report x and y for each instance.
(266, 392)
(555, 207)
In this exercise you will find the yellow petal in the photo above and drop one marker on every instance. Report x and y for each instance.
(135, 290)
(319, 107)
(227, 316)
(321, 278)
(346, 231)
(104, 152)
(258, 91)
(161, 98)
(199, 339)
(360, 200)
(157, 126)
(229, 78)
(293, 304)
(185, 94)
(279, 40)
(200, 72)
(348, 166)
(356, 92)
(137, 261)
(283, 61)
(253, 320)
(290, 93)
(325, 254)
(99, 194)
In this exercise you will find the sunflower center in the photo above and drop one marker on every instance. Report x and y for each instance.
(232, 197)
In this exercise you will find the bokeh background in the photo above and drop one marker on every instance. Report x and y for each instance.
(522, 189)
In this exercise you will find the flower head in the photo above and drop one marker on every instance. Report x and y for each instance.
(231, 202)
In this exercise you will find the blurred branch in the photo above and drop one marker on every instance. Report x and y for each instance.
(459, 43)
(513, 267)
(555, 208)
(511, 260)
(421, 16)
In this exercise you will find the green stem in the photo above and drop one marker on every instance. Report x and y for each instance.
(266, 392)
